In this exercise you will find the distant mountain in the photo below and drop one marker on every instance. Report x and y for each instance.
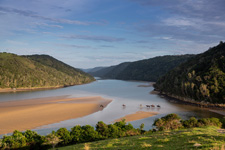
(143, 70)
(202, 78)
(93, 69)
(110, 72)
(38, 71)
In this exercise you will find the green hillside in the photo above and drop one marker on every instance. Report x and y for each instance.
(102, 72)
(116, 71)
(206, 138)
(143, 70)
(151, 69)
(202, 78)
(38, 71)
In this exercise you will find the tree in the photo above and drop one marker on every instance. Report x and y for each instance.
(102, 129)
(64, 135)
(169, 122)
(89, 133)
(32, 138)
(76, 133)
(52, 139)
(114, 131)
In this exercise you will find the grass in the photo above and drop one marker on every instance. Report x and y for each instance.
(207, 138)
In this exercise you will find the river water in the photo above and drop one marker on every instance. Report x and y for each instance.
(121, 92)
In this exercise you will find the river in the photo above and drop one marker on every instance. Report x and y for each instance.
(121, 92)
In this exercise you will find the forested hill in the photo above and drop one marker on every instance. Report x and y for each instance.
(110, 72)
(38, 71)
(143, 70)
(202, 78)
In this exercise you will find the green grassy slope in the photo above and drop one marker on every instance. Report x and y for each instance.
(202, 78)
(24, 72)
(206, 138)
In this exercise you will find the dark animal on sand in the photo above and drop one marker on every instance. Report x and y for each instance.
(148, 106)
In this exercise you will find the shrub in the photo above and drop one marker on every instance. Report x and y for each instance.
(132, 132)
(114, 131)
(33, 139)
(64, 135)
(52, 139)
(121, 124)
(209, 122)
(222, 120)
(89, 134)
(192, 122)
(102, 129)
(76, 133)
(129, 127)
(15, 141)
(169, 122)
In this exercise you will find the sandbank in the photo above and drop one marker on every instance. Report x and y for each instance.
(28, 114)
(221, 112)
(137, 116)
(150, 84)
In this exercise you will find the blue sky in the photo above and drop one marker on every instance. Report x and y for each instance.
(90, 33)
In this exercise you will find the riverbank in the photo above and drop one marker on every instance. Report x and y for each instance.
(28, 114)
(137, 116)
(8, 90)
(23, 89)
(216, 108)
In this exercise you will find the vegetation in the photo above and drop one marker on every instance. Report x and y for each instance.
(87, 133)
(202, 78)
(205, 138)
(38, 71)
(143, 70)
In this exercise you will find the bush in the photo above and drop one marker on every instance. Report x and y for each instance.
(114, 131)
(64, 135)
(89, 134)
(76, 133)
(121, 124)
(169, 122)
(15, 141)
(52, 139)
(222, 120)
(192, 122)
(209, 122)
(102, 129)
(33, 139)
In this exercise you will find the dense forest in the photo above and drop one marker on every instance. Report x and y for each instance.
(38, 71)
(202, 78)
(143, 70)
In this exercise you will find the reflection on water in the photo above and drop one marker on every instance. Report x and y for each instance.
(128, 93)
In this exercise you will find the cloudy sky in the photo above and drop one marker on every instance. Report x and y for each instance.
(89, 33)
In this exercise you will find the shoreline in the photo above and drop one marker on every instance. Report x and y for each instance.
(136, 116)
(191, 101)
(216, 108)
(32, 113)
(24, 89)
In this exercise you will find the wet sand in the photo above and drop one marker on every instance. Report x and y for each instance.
(28, 114)
(137, 116)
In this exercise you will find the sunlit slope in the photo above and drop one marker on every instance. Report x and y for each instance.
(26, 72)
(202, 78)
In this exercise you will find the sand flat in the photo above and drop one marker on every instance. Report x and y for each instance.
(29, 114)
(137, 116)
